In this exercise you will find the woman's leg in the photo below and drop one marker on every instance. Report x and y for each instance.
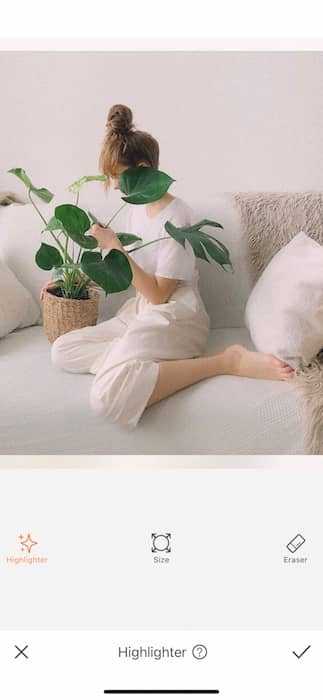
(236, 360)
(81, 350)
(152, 360)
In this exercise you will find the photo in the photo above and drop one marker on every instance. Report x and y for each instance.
(161, 253)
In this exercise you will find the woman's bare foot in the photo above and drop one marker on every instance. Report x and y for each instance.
(256, 365)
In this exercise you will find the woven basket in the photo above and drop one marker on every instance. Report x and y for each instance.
(63, 315)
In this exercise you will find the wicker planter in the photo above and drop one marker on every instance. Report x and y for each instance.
(63, 315)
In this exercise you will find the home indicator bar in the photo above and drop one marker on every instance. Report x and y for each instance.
(162, 692)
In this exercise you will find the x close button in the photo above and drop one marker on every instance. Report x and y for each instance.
(21, 652)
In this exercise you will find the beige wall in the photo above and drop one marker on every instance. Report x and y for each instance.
(225, 120)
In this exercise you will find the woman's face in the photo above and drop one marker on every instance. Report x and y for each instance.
(114, 180)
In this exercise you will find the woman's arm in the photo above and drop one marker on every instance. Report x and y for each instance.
(156, 289)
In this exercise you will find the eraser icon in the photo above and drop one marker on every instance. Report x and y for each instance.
(295, 543)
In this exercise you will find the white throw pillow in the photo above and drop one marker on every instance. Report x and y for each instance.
(284, 313)
(20, 238)
(17, 307)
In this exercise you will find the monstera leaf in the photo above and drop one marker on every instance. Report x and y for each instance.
(204, 245)
(76, 222)
(41, 192)
(113, 273)
(54, 225)
(48, 257)
(76, 186)
(142, 185)
(127, 238)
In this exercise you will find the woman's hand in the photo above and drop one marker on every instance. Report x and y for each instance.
(106, 238)
(46, 286)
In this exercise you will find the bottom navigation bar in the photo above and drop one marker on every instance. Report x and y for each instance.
(88, 665)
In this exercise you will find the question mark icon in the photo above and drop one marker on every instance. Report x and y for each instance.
(199, 651)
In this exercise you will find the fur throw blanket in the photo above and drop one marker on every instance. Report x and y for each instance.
(269, 220)
(7, 198)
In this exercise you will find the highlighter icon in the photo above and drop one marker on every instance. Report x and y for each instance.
(295, 543)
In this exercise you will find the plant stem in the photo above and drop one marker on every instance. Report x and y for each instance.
(66, 250)
(164, 238)
(73, 247)
(80, 286)
(116, 214)
(57, 241)
(38, 211)
(72, 279)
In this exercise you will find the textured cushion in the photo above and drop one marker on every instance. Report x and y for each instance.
(17, 307)
(284, 313)
(46, 411)
(269, 220)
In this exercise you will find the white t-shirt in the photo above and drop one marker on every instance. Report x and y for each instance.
(166, 258)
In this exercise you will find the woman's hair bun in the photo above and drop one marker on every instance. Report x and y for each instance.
(120, 119)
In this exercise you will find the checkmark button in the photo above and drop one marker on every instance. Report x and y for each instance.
(299, 656)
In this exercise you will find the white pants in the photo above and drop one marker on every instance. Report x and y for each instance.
(124, 352)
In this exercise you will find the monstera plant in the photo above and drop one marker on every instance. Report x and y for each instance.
(72, 255)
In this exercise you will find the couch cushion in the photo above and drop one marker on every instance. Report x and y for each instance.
(225, 294)
(46, 411)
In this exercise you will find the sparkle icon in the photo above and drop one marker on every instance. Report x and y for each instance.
(27, 543)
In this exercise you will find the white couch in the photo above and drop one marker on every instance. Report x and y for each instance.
(46, 411)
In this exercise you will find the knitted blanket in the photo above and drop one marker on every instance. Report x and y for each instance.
(269, 220)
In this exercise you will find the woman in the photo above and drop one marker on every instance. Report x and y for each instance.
(155, 344)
